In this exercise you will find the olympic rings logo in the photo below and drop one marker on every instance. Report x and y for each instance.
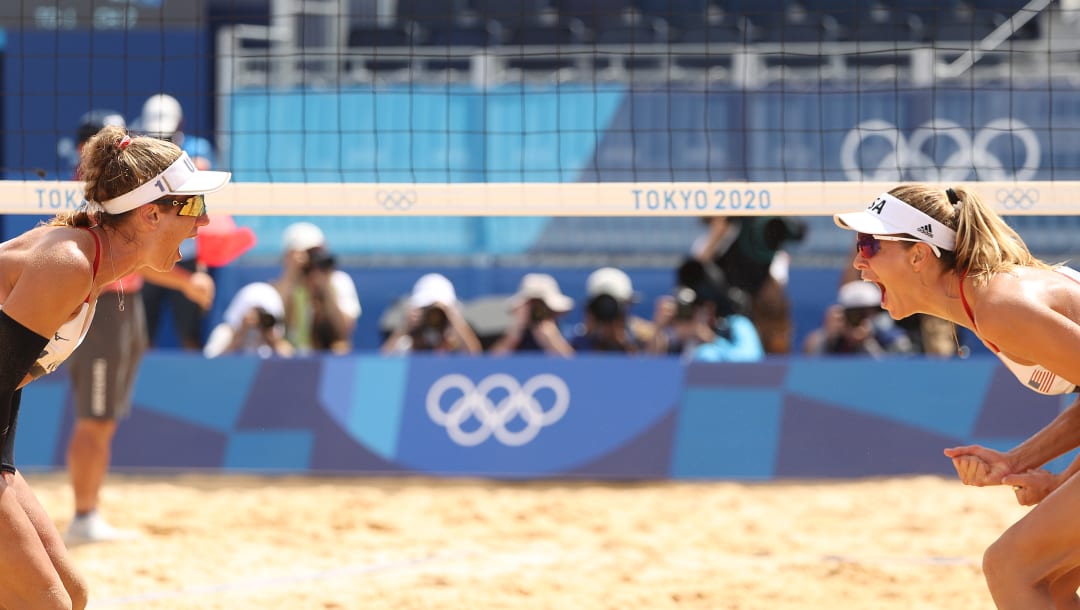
(492, 404)
(396, 200)
(912, 158)
(1017, 198)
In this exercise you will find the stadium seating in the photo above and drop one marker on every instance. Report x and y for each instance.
(679, 14)
(429, 12)
(509, 13)
(592, 12)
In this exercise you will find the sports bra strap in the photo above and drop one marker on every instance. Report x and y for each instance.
(97, 256)
(97, 252)
(967, 310)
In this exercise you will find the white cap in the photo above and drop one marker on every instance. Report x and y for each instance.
(256, 294)
(302, 236)
(544, 287)
(859, 294)
(888, 215)
(432, 288)
(161, 116)
(180, 178)
(610, 281)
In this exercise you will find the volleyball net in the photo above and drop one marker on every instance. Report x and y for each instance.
(692, 199)
(561, 108)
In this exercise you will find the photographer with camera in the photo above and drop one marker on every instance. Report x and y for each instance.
(432, 321)
(857, 325)
(253, 323)
(704, 320)
(537, 307)
(750, 253)
(321, 304)
(608, 325)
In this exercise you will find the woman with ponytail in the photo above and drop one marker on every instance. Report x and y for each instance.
(944, 252)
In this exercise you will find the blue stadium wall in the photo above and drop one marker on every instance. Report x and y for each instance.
(51, 78)
(591, 417)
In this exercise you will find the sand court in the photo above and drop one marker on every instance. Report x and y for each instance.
(232, 542)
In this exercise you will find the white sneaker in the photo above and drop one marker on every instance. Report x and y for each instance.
(93, 527)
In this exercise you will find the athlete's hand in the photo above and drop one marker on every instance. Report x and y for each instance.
(979, 466)
(1032, 486)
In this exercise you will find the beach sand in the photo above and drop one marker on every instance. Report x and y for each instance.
(247, 542)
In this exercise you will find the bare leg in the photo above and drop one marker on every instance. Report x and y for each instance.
(35, 570)
(89, 453)
(1021, 565)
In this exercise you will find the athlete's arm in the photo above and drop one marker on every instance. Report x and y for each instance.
(1027, 328)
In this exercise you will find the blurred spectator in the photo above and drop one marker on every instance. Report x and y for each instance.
(938, 338)
(253, 323)
(321, 303)
(104, 368)
(703, 319)
(857, 324)
(928, 334)
(537, 307)
(749, 252)
(432, 321)
(162, 117)
(608, 325)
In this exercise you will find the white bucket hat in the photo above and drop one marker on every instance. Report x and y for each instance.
(302, 236)
(433, 288)
(857, 294)
(545, 288)
(612, 282)
(256, 294)
(161, 115)
(888, 215)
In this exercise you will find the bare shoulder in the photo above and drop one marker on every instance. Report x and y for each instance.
(59, 258)
(63, 250)
(1022, 288)
(1011, 303)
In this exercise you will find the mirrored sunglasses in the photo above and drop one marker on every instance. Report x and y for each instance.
(868, 245)
(193, 206)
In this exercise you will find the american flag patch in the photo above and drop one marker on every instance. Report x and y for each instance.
(1041, 378)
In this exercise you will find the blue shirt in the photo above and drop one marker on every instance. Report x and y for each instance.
(741, 344)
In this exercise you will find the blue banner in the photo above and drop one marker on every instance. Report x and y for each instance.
(601, 417)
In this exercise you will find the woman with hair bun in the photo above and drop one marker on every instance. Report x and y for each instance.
(144, 198)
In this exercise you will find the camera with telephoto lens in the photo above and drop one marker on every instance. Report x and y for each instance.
(434, 318)
(430, 327)
(267, 320)
(605, 308)
(539, 311)
(685, 303)
(854, 316)
(319, 258)
(762, 236)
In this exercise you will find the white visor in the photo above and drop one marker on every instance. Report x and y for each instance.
(888, 215)
(180, 178)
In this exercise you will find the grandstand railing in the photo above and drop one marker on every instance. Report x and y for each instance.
(743, 65)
